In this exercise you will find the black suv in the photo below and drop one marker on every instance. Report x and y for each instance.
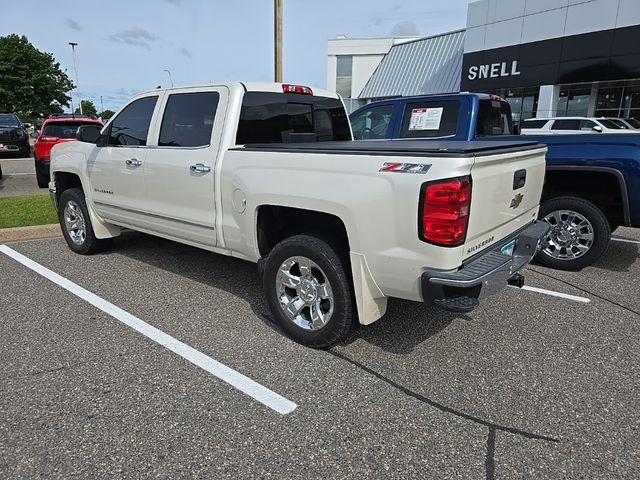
(14, 138)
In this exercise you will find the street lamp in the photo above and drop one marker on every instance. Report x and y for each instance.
(75, 68)
(170, 79)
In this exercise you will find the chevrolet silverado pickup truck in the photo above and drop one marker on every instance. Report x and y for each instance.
(269, 173)
(592, 181)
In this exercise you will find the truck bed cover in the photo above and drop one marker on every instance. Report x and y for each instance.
(413, 148)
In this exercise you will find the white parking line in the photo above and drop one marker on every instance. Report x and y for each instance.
(235, 379)
(556, 294)
(17, 174)
(626, 240)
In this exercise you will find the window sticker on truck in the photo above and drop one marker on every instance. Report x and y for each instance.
(425, 118)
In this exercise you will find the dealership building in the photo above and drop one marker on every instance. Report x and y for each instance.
(546, 57)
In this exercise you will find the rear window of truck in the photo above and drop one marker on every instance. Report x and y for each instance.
(64, 129)
(267, 117)
(494, 118)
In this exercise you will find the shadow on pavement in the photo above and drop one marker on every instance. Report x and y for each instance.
(405, 326)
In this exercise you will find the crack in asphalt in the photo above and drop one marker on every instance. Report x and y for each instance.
(441, 407)
(582, 289)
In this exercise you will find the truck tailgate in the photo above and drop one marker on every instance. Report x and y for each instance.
(506, 189)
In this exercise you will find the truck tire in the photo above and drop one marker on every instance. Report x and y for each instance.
(308, 291)
(43, 181)
(579, 235)
(76, 224)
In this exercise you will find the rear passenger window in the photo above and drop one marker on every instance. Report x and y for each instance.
(430, 119)
(267, 117)
(568, 124)
(131, 126)
(188, 119)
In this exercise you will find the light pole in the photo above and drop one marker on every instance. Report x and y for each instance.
(277, 40)
(75, 68)
(101, 106)
(170, 79)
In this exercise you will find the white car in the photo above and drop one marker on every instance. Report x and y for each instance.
(268, 173)
(570, 125)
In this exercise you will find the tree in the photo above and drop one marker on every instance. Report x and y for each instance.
(88, 108)
(31, 81)
(107, 114)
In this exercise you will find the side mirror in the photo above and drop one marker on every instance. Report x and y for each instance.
(88, 133)
(597, 128)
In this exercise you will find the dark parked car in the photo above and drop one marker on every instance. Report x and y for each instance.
(14, 139)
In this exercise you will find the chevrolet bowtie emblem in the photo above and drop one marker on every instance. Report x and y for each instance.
(516, 201)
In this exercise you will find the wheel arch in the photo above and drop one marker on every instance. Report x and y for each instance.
(274, 223)
(608, 192)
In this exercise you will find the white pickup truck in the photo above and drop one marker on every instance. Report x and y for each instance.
(269, 173)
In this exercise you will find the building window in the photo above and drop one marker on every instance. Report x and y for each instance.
(574, 101)
(343, 75)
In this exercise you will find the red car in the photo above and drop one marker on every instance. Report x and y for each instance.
(56, 129)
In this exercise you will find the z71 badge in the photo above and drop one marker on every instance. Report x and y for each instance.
(405, 167)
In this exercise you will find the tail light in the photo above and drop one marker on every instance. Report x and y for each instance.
(287, 88)
(444, 211)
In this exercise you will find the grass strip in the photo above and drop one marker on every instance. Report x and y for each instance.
(26, 210)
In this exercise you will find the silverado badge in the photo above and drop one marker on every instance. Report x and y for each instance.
(516, 201)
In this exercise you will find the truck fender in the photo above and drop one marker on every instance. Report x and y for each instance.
(370, 301)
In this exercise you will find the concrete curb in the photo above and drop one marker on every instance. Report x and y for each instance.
(34, 232)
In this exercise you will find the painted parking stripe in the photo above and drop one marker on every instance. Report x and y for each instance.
(237, 380)
(556, 294)
(626, 240)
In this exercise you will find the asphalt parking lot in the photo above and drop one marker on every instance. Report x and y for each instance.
(530, 385)
(19, 178)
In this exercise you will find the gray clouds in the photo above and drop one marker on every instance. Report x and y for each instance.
(405, 29)
(136, 36)
(73, 25)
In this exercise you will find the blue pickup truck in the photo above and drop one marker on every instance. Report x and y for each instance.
(593, 180)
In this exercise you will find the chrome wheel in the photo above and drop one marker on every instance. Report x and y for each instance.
(571, 235)
(304, 293)
(74, 223)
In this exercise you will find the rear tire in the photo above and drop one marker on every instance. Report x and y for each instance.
(580, 233)
(75, 222)
(308, 291)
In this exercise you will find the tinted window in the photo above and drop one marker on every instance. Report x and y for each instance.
(494, 118)
(633, 122)
(64, 129)
(615, 124)
(188, 119)
(430, 119)
(131, 126)
(372, 122)
(534, 123)
(566, 125)
(289, 118)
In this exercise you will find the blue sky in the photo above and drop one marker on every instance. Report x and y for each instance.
(124, 46)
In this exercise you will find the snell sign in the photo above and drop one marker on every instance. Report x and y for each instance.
(493, 70)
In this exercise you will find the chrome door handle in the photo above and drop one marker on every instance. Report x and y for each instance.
(200, 168)
(133, 162)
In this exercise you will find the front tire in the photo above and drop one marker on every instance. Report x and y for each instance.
(75, 222)
(308, 291)
(579, 235)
